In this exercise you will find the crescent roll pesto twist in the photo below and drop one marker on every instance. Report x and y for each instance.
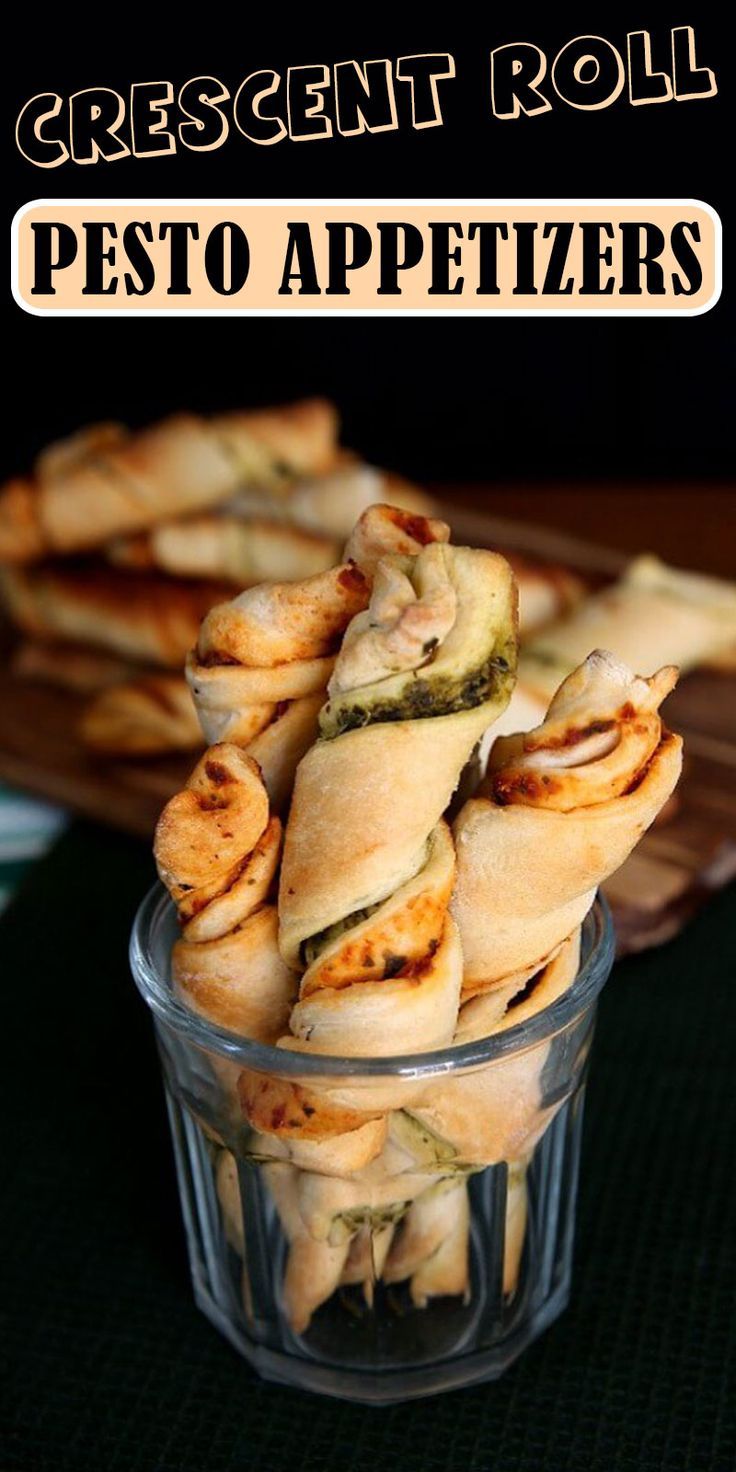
(384, 976)
(341, 1230)
(394, 1191)
(497, 1112)
(421, 674)
(560, 809)
(262, 662)
(390, 981)
(217, 850)
(494, 1114)
(260, 669)
(431, 1246)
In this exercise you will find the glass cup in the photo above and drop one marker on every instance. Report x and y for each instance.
(404, 1277)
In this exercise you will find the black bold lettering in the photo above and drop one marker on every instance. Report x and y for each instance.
(645, 85)
(686, 257)
(525, 233)
(423, 73)
(299, 264)
(634, 257)
(149, 103)
(339, 261)
(561, 231)
(594, 256)
(227, 268)
(54, 248)
(364, 97)
(133, 236)
(489, 233)
(96, 257)
(442, 254)
(391, 261)
(179, 233)
(250, 119)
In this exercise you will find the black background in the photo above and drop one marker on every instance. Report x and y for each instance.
(481, 399)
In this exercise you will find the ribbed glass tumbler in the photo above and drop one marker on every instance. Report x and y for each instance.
(405, 1276)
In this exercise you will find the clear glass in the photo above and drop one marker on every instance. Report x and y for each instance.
(372, 1340)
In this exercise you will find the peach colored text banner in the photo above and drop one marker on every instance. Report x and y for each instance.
(457, 257)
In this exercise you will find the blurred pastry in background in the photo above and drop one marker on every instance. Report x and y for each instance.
(175, 516)
(654, 615)
(226, 547)
(69, 666)
(263, 535)
(150, 716)
(547, 591)
(148, 618)
(107, 481)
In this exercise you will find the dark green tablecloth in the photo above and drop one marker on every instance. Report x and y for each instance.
(105, 1362)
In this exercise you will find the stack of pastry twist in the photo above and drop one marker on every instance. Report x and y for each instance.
(118, 543)
(352, 703)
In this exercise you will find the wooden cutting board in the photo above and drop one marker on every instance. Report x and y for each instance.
(688, 853)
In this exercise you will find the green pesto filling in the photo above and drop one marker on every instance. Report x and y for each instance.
(313, 947)
(425, 696)
(345, 1224)
(426, 1148)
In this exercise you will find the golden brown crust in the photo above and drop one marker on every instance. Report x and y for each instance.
(149, 716)
(385, 530)
(207, 831)
(83, 445)
(411, 1012)
(217, 850)
(135, 553)
(363, 806)
(235, 979)
(557, 815)
(396, 938)
(21, 535)
(279, 1107)
(280, 623)
(148, 619)
(497, 1112)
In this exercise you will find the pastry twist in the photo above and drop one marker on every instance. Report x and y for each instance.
(385, 976)
(654, 615)
(263, 659)
(217, 849)
(262, 662)
(421, 674)
(144, 717)
(560, 809)
(105, 481)
(383, 968)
